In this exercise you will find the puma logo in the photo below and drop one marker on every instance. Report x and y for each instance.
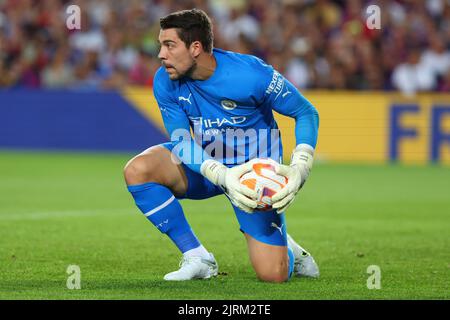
(188, 99)
(276, 226)
(286, 93)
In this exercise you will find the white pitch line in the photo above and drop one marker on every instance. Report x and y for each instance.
(39, 215)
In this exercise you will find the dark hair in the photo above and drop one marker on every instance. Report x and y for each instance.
(192, 25)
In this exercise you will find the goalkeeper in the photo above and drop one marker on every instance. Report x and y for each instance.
(215, 93)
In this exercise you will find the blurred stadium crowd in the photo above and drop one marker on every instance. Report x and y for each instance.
(316, 44)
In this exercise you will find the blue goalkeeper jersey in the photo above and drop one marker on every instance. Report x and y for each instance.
(231, 113)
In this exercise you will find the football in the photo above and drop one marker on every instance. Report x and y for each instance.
(265, 181)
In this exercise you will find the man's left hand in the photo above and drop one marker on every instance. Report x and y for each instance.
(296, 173)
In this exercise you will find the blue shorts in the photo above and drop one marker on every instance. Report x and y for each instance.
(265, 226)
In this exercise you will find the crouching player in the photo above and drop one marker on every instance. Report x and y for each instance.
(215, 92)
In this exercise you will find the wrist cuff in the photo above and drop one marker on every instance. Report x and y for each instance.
(302, 157)
(214, 171)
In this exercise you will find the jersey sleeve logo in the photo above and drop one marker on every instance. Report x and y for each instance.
(276, 85)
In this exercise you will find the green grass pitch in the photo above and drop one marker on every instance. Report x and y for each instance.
(61, 209)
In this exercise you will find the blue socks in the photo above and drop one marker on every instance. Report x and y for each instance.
(161, 207)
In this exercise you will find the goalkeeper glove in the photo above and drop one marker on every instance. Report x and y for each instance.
(229, 180)
(297, 173)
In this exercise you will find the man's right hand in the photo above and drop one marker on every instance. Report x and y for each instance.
(229, 180)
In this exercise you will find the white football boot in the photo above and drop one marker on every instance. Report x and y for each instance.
(194, 268)
(304, 264)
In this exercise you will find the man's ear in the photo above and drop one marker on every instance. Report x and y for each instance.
(195, 49)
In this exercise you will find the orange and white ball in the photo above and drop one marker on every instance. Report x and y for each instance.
(265, 181)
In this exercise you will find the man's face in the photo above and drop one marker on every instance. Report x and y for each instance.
(174, 55)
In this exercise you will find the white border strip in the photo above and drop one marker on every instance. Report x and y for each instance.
(165, 204)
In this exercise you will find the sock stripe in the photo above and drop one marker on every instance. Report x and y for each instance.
(160, 207)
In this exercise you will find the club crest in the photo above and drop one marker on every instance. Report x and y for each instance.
(228, 104)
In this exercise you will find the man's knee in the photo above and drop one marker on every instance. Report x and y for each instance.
(155, 165)
(143, 168)
(273, 272)
(137, 170)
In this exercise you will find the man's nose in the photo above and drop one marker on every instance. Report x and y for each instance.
(162, 54)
